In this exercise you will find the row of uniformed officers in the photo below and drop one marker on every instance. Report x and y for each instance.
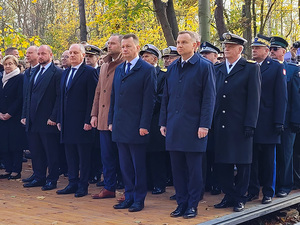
(241, 111)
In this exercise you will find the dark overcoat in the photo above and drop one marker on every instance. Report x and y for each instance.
(293, 89)
(132, 102)
(76, 105)
(237, 106)
(273, 102)
(42, 101)
(188, 103)
(11, 97)
(157, 141)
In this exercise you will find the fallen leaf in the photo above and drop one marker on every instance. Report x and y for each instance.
(40, 197)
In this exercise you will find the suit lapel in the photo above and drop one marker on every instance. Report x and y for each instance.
(135, 68)
(265, 65)
(238, 66)
(77, 75)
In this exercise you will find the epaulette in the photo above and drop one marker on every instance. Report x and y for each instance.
(293, 64)
(164, 69)
(251, 61)
(276, 60)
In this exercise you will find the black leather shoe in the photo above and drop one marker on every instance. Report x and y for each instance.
(250, 197)
(28, 179)
(215, 191)
(100, 183)
(240, 206)
(81, 192)
(266, 200)
(281, 194)
(69, 189)
(5, 176)
(190, 213)
(49, 186)
(157, 190)
(18, 176)
(173, 197)
(124, 205)
(34, 183)
(223, 204)
(136, 206)
(179, 211)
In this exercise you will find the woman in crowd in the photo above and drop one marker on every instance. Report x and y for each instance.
(11, 131)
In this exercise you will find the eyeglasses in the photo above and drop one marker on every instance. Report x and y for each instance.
(274, 48)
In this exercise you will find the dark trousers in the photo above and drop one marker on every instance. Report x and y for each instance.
(44, 148)
(235, 188)
(133, 168)
(13, 161)
(156, 169)
(109, 156)
(187, 176)
(296, 161)
(284, 162)
(96, 161)
(263, 164)
(79, 159)
(63, 166)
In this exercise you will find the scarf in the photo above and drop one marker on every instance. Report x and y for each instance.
(7, 76)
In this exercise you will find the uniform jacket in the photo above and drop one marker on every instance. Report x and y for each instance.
(132, 101)
(237, 106)
(157, 141)
(42, 100)
(103, 91)
(293, 89)
(12, 132)
(76, 105)
(273, 102)
(188, 103)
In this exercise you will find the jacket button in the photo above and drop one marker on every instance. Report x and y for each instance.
(224, 96)
(226, 81)
(223, 111)
(122, 81)
(223, 126)
(179, 81)
(176, 111)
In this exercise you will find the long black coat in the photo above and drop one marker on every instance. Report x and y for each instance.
(131, 102)
(76, 105)
(11, 97)
(188, 103)
(157, 141)
(42, 101)
(237, 106)
(273, 102)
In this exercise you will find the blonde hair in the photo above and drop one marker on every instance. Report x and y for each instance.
(14, 59)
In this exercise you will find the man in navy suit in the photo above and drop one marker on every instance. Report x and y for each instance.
(132, 102)
(235, 117)
(185, 118)
(78, 85)
(270, 121)
(41, 108)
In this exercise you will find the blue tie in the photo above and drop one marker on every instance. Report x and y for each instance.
(38, 76)
(128, 68)
(71, 78)
(182, 64)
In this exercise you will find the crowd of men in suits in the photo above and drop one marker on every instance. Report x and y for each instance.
(228, 124)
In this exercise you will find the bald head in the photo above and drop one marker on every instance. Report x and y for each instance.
(44, 55)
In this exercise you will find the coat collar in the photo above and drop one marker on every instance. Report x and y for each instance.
(265, 65)
(135, 68)
(77, 74)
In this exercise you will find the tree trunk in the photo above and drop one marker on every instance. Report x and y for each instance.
(83, 30)
(204, 19)
(254, 19)
(299, 10)
(161, 12)
(247, 25)
(219, 17)
(261, 30)
(172, 18)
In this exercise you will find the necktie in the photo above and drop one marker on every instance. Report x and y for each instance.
(230, 65)
(128, 68)
(70, 78)
(39, 75)
(182, 64)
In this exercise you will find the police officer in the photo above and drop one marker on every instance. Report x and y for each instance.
(270, 121)
(284, 178)
(209, 51)
(92, 54)
(156, 155)
(236, 113)
(169, 55)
